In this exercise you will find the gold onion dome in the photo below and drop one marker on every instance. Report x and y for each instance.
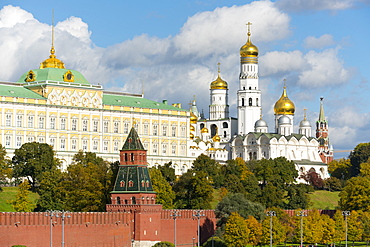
(204, 130)
(191, 136)
(192, 128)
(249, 50)
(193, 118)
(284, 105)
(216, 138)
(219, 83)
(52, 61)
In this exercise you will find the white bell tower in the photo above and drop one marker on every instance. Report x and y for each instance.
(249, 94)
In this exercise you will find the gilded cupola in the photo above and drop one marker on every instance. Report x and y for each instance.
(219, 83)
(284, 106)
(249, 50)
(52, 61)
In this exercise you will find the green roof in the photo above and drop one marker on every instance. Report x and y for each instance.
(18, 91)
(309, 163)
(54, 74)
(131, 101)
(133, 141)
(133, 179)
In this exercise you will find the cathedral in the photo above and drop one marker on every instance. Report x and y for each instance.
(222, 137)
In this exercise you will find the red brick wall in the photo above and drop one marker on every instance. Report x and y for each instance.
(105, 229)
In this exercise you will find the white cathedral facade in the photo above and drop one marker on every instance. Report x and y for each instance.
(248, 136)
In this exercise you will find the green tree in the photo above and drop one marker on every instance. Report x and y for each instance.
(333, 184)
(278, 231)
(193, 190)
(210, 167)
(87, 183)
(360, 154)
(5, 170)
(365, 218)
(31, 160)
(168, 172)
(365, 169)
(328, 227)
(297, 196)
(165, 194)
(340, 168)
(272, 196)
(52, 194)
(235, 231)
(254, 230)
(21, 202)
(313, 228)
(278, 172)
(339, 231)
(240, 204)
(356, 194)
(355, 227)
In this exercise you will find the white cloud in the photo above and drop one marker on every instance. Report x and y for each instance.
(307, 5)
(11, 16)
(325, 69)
(280, 62)
(324, 40)
(76, 27)
(220, 31)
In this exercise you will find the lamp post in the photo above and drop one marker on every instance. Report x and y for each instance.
(51, 214)
(174, 214)
(301, 214)
(63, 215)
(198, 214)
(271, 214)
(346, 214)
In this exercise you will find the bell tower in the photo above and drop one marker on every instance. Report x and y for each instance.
(249, 94)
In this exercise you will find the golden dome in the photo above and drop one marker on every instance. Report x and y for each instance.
(216, 138)
(284, 105)
(249, 50)
(204, 130)
(219, 83)
(191, 136)
(192, 128)
(193, 118)
(52, 61)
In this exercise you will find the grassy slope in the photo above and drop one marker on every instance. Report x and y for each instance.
(9, 193)
(322, 199)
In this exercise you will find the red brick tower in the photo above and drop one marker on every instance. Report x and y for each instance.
(133, 193)
(322, 135)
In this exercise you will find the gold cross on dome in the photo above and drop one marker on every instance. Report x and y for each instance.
(218, 64)
(249, 24)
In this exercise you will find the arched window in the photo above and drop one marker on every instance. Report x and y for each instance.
(133, 200)
(125, 156)
(256, 102)
(132, 156)
(225, 125)
(118, 200)
(250, 101)
(224, 133)
(242, 101)
(202, 126)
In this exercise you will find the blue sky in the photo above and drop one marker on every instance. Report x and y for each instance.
(172, 47)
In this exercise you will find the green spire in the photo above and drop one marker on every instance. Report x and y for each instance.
(321, 114)
(133, 141)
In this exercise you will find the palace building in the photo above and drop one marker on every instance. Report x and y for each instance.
(58, 106)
